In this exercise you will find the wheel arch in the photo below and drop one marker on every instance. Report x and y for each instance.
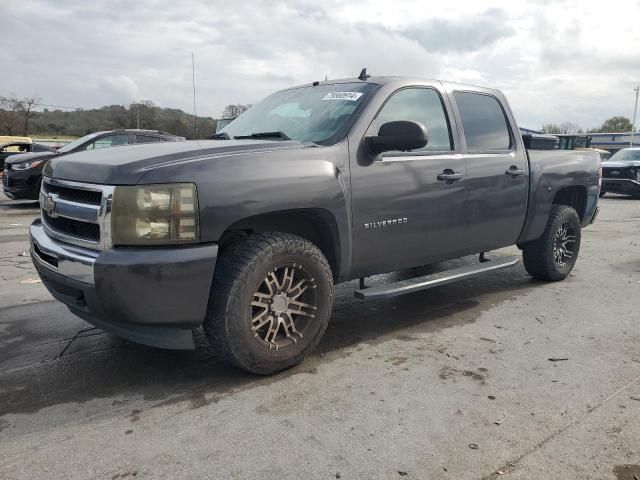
(318, 225)
(573, 196)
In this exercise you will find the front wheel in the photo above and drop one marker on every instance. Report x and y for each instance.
(553, 255)
(271, 301)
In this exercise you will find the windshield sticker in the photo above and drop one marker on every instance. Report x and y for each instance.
(348, 96)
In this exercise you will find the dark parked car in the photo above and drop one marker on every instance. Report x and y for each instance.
(23, 172)
(621, 173)
(315, 185)
(16, 148)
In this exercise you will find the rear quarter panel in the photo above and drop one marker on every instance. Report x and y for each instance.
(549, 172)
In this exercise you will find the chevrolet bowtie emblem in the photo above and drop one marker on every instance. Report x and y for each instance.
(49, 204)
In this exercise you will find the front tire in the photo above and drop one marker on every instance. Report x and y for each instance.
(270, 303)
(553, 255)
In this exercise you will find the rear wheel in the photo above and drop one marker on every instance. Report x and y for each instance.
(553, 255)
(270, 303)
(602, 193)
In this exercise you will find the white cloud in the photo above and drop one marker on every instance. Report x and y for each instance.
(557, 61)
(120, 88)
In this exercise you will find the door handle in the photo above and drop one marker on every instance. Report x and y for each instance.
(449, 176)
(514, 171)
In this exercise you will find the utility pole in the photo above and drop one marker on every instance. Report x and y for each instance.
(138, 117)
(193, 80)
(635, 111)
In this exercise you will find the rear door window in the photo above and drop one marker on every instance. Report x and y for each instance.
(484, 123)
(148, 139)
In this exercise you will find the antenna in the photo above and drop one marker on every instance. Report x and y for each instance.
(193, 81)
(363, 74)
(635, 111)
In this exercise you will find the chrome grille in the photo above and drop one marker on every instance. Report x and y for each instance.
(77, 213)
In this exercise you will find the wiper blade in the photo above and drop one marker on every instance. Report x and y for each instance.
(220, 136)
(280, 135)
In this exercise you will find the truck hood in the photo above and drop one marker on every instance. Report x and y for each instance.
(23, 157)
(630, 163)
(127, 164)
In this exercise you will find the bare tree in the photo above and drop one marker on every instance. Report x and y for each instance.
(234, 110)
(27, 104)
(10, 108)
(564, 127)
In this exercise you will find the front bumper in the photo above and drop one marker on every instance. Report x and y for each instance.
(621, 185)
(153, 296)
(21, 184)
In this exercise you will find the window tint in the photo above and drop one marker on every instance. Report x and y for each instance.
(422, 105)
(40, 148)
(148, 139)
(484, 123)
(108, 141)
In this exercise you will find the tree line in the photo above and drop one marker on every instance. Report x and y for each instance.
(22, 116)
(19, 116)
(618, 124)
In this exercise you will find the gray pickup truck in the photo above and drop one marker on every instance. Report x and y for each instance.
(246, 234)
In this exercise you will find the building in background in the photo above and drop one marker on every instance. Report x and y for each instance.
(614, 141)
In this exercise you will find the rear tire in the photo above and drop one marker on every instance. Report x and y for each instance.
(270, 303)
(553, 255)
(602, 194)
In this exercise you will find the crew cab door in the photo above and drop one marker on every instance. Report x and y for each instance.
(497, 170)
(405, 213)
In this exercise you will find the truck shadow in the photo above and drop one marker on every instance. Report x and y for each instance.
(98, 366)
(19, 204)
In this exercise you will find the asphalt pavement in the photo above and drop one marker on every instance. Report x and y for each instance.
(501, 376)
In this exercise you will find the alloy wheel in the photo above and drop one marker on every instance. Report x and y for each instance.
(564, 245)
(284, 306)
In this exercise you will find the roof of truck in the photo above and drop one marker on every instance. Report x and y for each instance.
(382, 80)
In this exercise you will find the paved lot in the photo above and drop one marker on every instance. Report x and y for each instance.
(453, 383)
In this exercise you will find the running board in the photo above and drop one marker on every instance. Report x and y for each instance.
(435, 280)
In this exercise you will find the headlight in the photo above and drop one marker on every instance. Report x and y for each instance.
(26, 165)
(155, 214)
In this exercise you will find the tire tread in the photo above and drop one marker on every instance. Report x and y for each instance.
(537, 255)
(225, 304)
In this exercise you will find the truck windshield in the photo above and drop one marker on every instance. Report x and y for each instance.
(320, 114)
(625, 156)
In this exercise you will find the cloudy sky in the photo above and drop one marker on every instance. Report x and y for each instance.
(556, 60)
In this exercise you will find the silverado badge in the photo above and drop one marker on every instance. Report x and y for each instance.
(385, 223)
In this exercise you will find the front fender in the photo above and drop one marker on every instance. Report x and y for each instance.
(233, 188)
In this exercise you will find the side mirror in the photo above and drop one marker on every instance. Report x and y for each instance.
(401, 135)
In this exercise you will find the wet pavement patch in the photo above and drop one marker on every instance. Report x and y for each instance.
(627, 472)
(480, 375)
